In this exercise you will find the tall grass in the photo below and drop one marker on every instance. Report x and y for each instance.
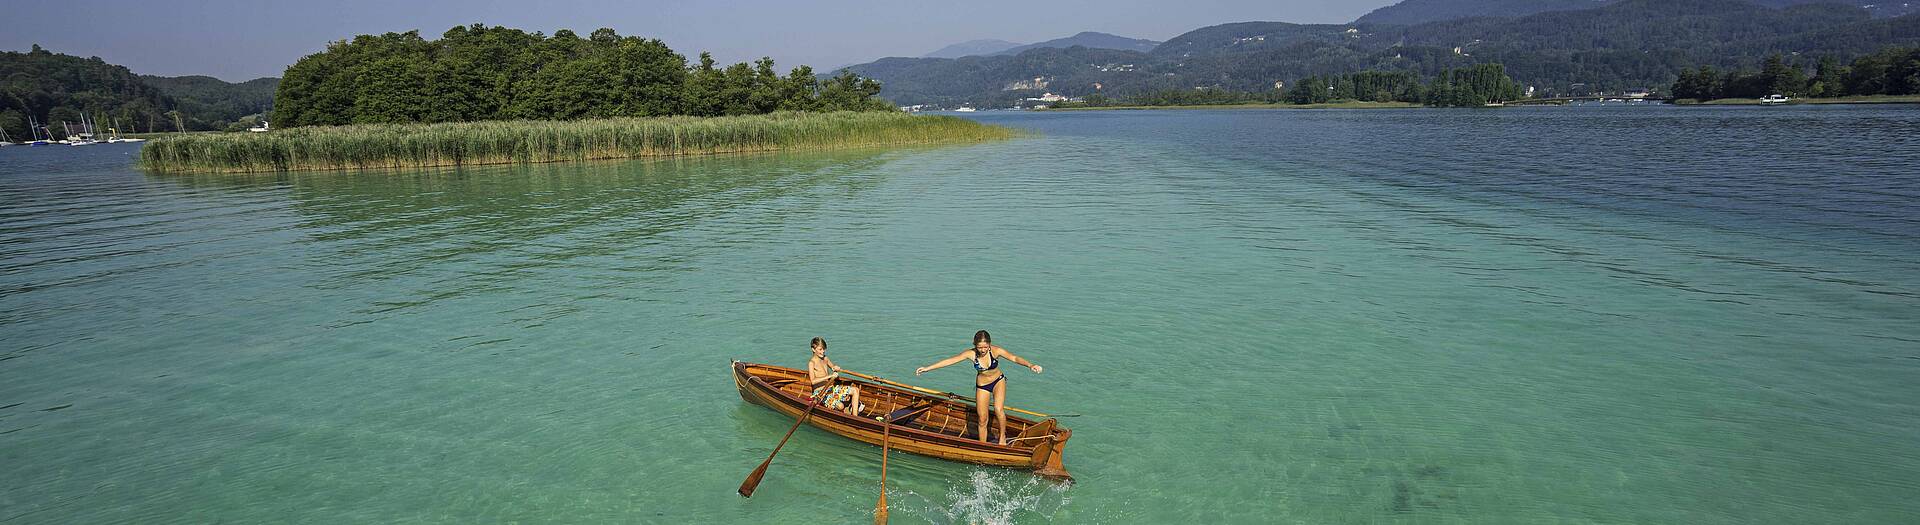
(503, 142)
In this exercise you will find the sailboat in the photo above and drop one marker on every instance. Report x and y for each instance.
(4, 140)
(113, 134)
(83, 138)
(85, 135)
(36, 128)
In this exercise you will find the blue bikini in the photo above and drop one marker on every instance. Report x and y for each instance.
(992, 363)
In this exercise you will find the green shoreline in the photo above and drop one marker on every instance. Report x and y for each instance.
(1329, 105)
(515, 142)
(1874, 99)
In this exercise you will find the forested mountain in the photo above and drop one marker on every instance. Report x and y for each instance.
(973, 48)
(1623, 44)
(55, 88)
(1001, 47)
(1412, 12)
(1243, 37)
(1088, 39)
(211, 103)
(1000, 80)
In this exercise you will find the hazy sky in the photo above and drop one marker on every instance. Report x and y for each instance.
(239, 40)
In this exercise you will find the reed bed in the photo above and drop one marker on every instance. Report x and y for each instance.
(507, 142)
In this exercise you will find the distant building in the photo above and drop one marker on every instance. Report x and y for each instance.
(1279, 85)
(1046, 100)
(1036, 83)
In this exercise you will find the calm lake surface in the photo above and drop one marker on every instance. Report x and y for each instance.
(1526, 315)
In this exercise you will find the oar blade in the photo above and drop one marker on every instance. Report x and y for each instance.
(753, 480)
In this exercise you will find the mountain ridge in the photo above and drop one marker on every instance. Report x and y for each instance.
(1413, 12)
(1091, 39)
(1622, 44)
(985, 46)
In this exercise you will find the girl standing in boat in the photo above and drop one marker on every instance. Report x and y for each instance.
(822, 375)
(989, 384)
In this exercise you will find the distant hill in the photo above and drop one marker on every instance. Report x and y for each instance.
(1088, 39)
(1615, 46)
(211, 103)
(1412, 12)
(54, 88)
(1242, 37)
(973, 48)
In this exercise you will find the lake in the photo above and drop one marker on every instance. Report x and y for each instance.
(1523, 315)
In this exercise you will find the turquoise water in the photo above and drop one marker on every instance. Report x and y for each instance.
(1580, 315)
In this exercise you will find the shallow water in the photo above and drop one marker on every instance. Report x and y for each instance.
(1656, 315)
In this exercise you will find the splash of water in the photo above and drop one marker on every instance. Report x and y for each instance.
(994, 497)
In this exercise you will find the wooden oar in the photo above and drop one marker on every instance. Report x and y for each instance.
(753, 480)
(886, 441)
(948, 395)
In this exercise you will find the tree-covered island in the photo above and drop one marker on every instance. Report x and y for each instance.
(482, 95)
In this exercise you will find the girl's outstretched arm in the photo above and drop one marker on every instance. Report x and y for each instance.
(962, 356)
(1016, 359)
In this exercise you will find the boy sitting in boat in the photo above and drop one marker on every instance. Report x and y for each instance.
(822, 375)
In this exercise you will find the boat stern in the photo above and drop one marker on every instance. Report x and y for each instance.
(1048, 453)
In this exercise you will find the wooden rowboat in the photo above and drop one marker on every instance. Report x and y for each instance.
(945, 430)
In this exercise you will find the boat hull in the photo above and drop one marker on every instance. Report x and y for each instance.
(943, 430)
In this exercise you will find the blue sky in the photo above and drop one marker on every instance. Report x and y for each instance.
(239, 40)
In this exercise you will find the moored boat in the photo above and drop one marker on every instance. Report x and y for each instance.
(939, 427)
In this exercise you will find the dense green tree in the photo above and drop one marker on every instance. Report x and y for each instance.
(850, 92)
(1474, 86)
(1776, 77)
(1892, 71)
(1826, 79)
(483, 73)
(1311, 90)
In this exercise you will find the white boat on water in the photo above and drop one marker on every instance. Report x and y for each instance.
(1774, 99)
(38, 130)
(83, 138)
(113, 134)
(965, 110)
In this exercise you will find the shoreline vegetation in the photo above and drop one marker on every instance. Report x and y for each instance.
(1891, 72)
(1865, 99)
(379, 146)
(498, 95)
(1345, 104)
(1476, 86)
